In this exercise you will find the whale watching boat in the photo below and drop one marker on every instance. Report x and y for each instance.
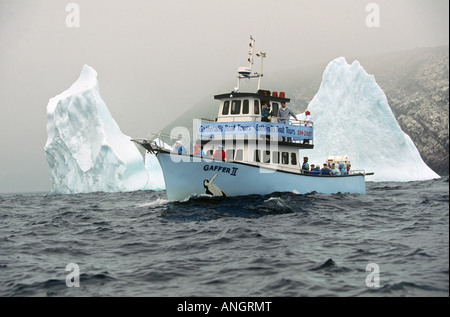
(241, 153)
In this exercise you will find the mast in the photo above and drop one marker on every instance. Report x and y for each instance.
(246, 72)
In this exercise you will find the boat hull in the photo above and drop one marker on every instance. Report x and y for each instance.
(187, 176)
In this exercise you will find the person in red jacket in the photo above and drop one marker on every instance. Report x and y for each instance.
(220, 154)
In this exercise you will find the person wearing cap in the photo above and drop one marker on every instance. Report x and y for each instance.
(308, 119)
(284, 114)
(220, 154)
(179, 148)
(305, 165)
(308, 123)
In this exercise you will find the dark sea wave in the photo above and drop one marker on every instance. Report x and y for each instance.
(283, 244)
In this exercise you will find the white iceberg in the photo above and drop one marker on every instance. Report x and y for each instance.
(85, 149)
(352, 117)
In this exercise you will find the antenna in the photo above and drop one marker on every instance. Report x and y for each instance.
(245, 72)
(262, 55)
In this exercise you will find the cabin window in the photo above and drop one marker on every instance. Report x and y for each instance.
(239, 155)
(226, 107)
(257, 156)
(275, 109)
(245, 107)
(230, 153)
(236, 107)
(266, 156)
(256, 106)
(275, 157)
(293, 159)
(285, 158)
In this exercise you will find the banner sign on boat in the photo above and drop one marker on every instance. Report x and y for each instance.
(255, 127)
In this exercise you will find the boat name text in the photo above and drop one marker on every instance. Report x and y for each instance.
(216, 168)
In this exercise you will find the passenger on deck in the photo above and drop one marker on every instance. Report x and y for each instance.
(334, 170)
(266, 113)
(284, 114)
(220, 154)
(349, 169)
(325, 169)
(308, 119)
(316, 170)
(305, 165)
(179, 148)
(308, 123)
(342, 169)
(199, 151)
(197, 148)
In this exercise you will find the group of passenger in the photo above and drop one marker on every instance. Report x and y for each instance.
(219, 154)
(284, 115)
(334, 169)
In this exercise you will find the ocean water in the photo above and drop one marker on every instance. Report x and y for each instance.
(393, 241)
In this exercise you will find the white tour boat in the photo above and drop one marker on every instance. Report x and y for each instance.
(242, 154)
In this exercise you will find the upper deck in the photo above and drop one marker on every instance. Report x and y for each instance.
(243, 106)
(239, 117)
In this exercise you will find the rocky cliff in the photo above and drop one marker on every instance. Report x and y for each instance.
(416, 84)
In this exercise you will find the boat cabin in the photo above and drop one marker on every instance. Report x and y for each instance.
(245, 138)
(238, 106)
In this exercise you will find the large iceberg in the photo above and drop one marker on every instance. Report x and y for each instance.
(85, 149)
(352, 117)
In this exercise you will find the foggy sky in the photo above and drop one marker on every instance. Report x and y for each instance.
(157, 58)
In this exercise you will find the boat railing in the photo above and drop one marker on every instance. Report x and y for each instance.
(301, 123)
(352, 172)
(166, 140)
(301, 132)
(232, 118)
(161, 140)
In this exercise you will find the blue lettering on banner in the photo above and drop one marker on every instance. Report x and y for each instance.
(255, 127)
(217, 168)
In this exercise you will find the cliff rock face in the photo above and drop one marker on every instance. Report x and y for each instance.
(418, 93)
